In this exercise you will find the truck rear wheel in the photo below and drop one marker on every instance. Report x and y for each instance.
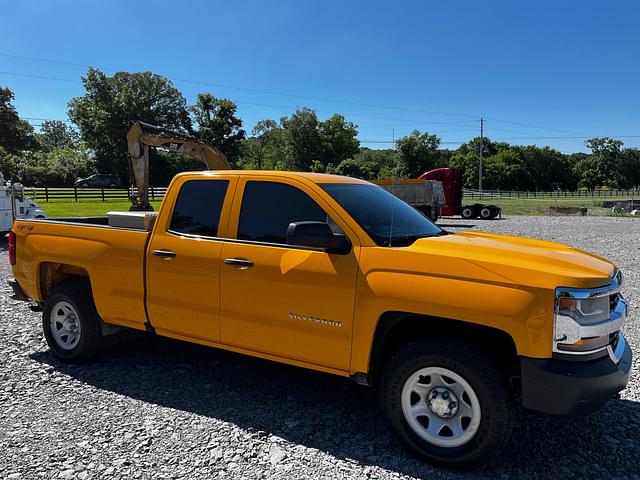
(447, 403)
(70, 322)
(485, 213)
(468, 213)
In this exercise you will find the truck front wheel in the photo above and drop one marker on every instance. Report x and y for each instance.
(447, 402)
(70, 322)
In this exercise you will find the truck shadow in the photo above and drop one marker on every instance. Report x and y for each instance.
(335, 415)
(4, 246)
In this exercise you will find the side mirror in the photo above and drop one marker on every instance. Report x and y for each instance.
(317, 235)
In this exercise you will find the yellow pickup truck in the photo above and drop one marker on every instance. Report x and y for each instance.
(335, 274)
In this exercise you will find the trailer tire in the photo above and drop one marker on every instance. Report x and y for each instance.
(468, 213)
(70, 322)
(485, 213)
(473, 411)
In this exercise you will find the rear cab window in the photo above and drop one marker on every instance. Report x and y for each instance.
(198, 207)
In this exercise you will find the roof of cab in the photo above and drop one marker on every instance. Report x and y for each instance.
(311, 176)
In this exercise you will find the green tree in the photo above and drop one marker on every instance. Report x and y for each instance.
(58, 167)
(268, 148)
(15, 133)
(218, 125)
(547, 168)
(468, 161)
(629, 168)
(339, 140)
(418, 152)
(505, 170)
(601, 168)
(303, 138)
(56, 134)
(111, 105)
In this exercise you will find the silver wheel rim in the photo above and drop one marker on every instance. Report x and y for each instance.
(485, 213)
(65, 325)
(441, 407)
(467, 213)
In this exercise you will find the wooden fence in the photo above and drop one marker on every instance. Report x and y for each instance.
(75, 194)
(470, 194)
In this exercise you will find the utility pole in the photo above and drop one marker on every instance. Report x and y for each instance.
(481, 152)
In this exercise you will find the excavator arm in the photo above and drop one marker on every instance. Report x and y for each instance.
(142, 135)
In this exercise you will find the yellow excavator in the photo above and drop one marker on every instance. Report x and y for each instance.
(142, 135)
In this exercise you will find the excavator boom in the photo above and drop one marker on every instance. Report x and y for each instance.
(142, 135)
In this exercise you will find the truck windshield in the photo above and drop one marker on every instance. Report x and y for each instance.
(388, 220)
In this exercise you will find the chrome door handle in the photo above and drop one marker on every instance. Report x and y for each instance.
(166, 254)
(238, 262)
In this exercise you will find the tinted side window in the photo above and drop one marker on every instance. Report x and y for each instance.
(198, 207)
(268, 208)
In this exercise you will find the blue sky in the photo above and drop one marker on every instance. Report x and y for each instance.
(537, 70)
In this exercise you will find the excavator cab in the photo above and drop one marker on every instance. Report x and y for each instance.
(142, 135)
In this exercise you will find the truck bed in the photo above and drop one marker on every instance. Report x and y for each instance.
(111, 256)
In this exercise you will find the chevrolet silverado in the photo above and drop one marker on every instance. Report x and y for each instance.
(335, 274)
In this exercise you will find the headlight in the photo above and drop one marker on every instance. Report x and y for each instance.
(587, 320)
(585, 311)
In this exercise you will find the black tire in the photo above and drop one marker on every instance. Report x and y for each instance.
(468, 213)
(485, 213)
(494, 401)
(72, 298)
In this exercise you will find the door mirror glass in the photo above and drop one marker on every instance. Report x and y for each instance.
(317, 235)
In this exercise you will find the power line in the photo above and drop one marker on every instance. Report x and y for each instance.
(243, 102)
(530, 125)
(254, 90)
(270, 92)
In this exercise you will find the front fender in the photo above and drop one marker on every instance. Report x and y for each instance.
(524, 313)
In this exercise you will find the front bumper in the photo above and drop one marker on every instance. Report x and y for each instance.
(566, 387)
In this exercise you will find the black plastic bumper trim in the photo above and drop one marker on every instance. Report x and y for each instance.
(560, 387)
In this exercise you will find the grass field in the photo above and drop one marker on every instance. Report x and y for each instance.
(540, 206)
(86, 209)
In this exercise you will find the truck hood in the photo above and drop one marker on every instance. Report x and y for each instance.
(509, 260)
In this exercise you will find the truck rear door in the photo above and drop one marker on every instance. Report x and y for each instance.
(183, 259)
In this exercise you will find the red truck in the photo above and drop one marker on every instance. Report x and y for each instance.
(451, 179)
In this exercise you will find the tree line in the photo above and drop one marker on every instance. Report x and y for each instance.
(60, 153)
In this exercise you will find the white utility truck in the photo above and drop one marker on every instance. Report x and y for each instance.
(14, 204)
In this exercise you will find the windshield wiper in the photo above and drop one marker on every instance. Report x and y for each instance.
(404, 240)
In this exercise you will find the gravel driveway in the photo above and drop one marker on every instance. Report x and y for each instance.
(155, 408)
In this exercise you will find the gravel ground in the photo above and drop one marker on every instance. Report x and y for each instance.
(155, 408)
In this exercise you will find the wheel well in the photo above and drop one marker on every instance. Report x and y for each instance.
(396, 329)
(52, 274)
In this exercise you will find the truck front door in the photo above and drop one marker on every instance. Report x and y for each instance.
(279, 299)
(183, 261)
